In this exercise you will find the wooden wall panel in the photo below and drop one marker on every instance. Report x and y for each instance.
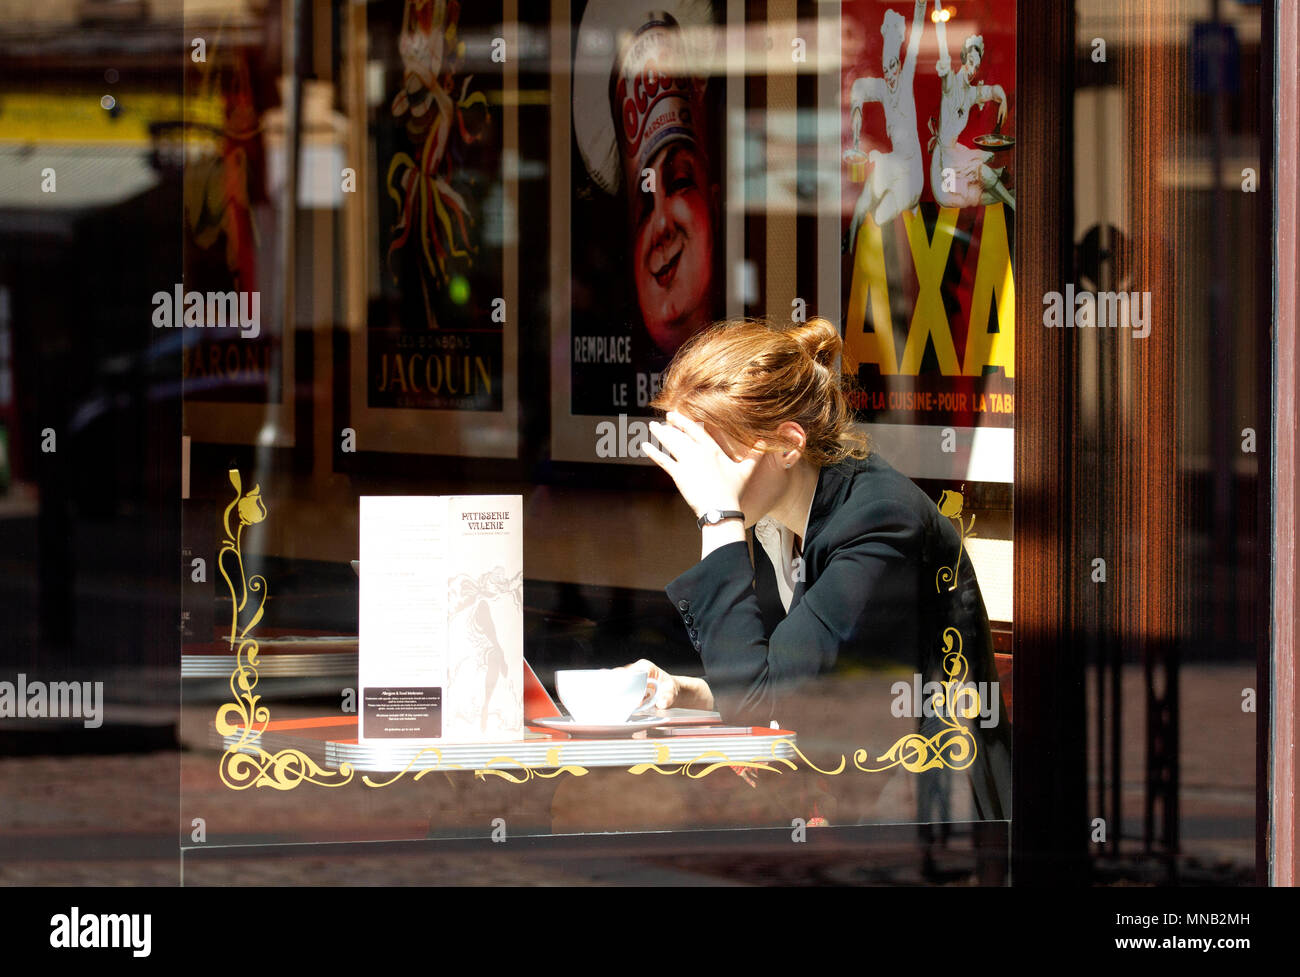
(1285, 766)
(1049, 836)
(1146, 507)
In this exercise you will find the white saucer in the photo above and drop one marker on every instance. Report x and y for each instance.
(567, 724)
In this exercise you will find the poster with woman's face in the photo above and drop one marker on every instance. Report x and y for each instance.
(644, 214)
(928, 206)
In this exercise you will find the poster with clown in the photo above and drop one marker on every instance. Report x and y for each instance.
(638, 166)
(433, 366)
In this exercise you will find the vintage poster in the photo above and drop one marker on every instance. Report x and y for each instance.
(228, 312)
(928, 206)
(638, 211)
(433, 370)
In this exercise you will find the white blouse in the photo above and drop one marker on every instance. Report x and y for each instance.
(778, 543)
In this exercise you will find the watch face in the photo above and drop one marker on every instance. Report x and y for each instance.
(713, 515)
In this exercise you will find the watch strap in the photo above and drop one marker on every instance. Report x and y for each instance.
(712, 517)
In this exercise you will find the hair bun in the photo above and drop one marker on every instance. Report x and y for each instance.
(820, 340)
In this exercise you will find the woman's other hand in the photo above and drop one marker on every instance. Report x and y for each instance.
(665, 693)
(675, 691)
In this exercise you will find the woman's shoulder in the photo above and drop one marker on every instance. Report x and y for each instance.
(874, 477)
(870, 493)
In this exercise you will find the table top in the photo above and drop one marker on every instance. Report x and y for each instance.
(332, 741)
(283, 653)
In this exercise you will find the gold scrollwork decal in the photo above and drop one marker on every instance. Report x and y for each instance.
(250, 510)
(950, 505)
(549, 770)
(719, 760)
(953, 747)
(246, 763)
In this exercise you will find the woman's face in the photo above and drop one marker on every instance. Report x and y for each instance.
(973, 59)
(672, 246)
(766, 485)
(765, 488)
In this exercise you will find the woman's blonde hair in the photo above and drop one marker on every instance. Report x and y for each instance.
(747, 377)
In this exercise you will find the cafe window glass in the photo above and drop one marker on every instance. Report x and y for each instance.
(705, 424)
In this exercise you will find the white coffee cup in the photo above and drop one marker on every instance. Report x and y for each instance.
(603, 696)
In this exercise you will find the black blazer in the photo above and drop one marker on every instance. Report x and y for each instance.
(872, 549)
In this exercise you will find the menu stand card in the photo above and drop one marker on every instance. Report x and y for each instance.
(441, 618)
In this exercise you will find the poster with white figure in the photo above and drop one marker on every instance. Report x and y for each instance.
(928, 219)
(441, 618)
(897, 176)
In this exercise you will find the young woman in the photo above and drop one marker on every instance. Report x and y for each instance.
(847, 557)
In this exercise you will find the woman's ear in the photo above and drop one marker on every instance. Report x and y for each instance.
(796, 441)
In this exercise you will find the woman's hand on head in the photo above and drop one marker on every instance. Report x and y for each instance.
(705, 475)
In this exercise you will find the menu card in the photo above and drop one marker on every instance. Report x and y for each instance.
(441, 618)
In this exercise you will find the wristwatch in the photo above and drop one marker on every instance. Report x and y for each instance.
(712, 517)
